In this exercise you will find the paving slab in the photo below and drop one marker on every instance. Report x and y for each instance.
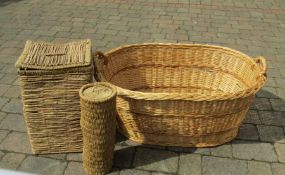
(13, 122)
(74, 157)
(74, 168)
(272, 118)
(8, 79)
(156, 160)
(41, 165)
(204, 151)
(280, 150)
(133, 171)
(2, 116)
(12, 92)
(254, 151)
(271, 133)
(12, 160)
(16, 142)
(13, 106)
(2, 154)
(262, 104)
(123, 156)
(267, 92)
(278, 104)
(55, 156)
(3, 101)
(259, 168)
(222, 151)
(3, 87)
(252, 117)
(156, 173)
(278, 169)
(3, 134)
(248, 132)
(223, 166)
(114, 171)
(189, 164)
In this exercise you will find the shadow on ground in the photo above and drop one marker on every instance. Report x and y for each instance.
(8, 2)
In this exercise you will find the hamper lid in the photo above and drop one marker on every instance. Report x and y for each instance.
(97, 92)
(45, 55)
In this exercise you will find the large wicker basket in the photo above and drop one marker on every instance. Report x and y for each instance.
(50, 77)
(181, 94)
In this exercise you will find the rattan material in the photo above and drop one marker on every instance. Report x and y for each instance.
(44, 55)
(98, 124)
(181, 94)
(50, 77)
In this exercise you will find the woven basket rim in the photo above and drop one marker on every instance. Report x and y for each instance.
(19, 63)
(94, 100)
(208, 46)
(126, 93)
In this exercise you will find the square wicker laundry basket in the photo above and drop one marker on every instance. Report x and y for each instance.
(50, 77)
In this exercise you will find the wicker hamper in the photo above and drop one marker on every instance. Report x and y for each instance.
(181, 94)
(50, 77)
(98, 124)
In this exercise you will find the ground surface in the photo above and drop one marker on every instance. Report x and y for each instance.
(256, 27)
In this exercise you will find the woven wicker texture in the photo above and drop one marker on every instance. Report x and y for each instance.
(98, 124)
(181, 94)
(43, 55)
(51, 103)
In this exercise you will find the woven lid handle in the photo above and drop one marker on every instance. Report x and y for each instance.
(102, 56)
(261, 63)
(54, 53)
(98, 65)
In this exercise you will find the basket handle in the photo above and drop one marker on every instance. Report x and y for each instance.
(98, 65)
(102, 56)
(261, 63)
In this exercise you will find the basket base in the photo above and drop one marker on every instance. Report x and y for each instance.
(210, 140)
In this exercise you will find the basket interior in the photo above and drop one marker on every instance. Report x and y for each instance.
(180, 69)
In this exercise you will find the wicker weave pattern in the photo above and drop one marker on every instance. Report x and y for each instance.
(51, 104)
(181, 94)
(43, 55)
(98, 123)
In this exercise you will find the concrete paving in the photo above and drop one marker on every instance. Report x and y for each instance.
(251, 26)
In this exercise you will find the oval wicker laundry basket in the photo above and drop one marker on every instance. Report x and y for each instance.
(181, 94)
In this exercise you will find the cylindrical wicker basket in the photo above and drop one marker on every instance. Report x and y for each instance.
(181, 94)
(98, 124)
(50, 76)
